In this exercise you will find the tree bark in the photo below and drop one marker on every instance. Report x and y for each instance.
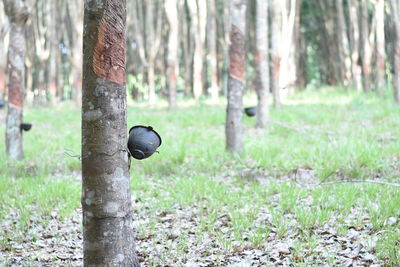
(354, 30)
(106, 199)
(276, 22)
(198, 11)
(262, 64)
(212, 50)
(173, 39)
(366, 51)
(234, 119)
(343, 44)
(75, 79)
(18, 12)
(395, 12)
(3, 51)
(380, 46)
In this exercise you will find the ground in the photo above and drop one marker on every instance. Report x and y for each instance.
(287, 201)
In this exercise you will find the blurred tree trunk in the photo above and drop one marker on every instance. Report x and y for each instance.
(42, 51)
(276, 21)
(18, 12)
(380, 46)
(212, 50)
(262, 63)
(187, 47)
(330, 50)
(395, 13)
(75, 11)
(3, 51)
(234, 119)
(172, 60)
(300, 50)
(354, 40)
(106, 198)
(287, 73)
(343, 45)
(366, 51)
(148, 22)
(198, 13)
(222, 43)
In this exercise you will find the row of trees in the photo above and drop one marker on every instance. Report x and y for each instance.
(180, 47)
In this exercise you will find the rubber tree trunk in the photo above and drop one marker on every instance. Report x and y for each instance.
(198, 11)
(261, 60)
(3, 52)
(234, 118)
(106, 199)
(354, 40)
(18, 13)
(366, 51)
(343, 44)
(275, 50)
(395, 11)
(212, 50)
(380, 46)
(171, 11)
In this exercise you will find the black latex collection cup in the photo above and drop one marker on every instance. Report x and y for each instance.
(143, 141)
(25, 126)
(250, 111)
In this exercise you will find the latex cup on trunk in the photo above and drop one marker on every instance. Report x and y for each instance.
(143, 141)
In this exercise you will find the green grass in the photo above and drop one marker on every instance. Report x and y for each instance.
(339, 135)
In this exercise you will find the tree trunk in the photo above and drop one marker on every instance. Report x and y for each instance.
(151, 81)
(212, 50)
(395, 12)
(18, 12)
(366, 52)
(380, 46)
(354, 30)
(76, 65)
(234, 119)
(198, 11)
(343, 45)
(173, 38)
(261, 60)
(276, 22)
(106, 199)
(3, 51)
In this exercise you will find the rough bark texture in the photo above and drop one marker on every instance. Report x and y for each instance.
(173, 38)
(234, 119)
(106, 199)
(276, 22)
(395, 12)
(18, 13)
(380, 45)
(261, 60)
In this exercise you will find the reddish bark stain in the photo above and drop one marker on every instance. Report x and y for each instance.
(109, 53)
(276, 64)
(236, 53)
(15, 96)
(397, 55)
(171, 72)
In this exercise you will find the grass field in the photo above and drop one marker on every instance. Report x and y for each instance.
(196, 204)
